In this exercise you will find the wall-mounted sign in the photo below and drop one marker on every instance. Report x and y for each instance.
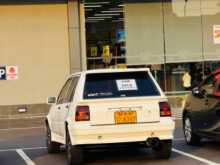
(216, 34)
(8, 72)
(12, 72)
(2, 72)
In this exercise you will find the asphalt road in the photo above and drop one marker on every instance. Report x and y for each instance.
(27, 147)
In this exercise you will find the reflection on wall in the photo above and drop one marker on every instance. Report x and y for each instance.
(144, 33)
(181, 30)
(183, 36)
(184, 8)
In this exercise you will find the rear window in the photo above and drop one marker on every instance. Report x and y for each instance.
(116, 85)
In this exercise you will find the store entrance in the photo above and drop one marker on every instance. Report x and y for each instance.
(105, 34)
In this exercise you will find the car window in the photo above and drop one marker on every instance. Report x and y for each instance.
(72, 88)
(123, 84)
(63, 93)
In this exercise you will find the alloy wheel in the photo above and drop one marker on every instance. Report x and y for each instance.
(188, 129)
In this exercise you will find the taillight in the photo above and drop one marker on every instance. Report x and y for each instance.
(165, 110)
(82, 113)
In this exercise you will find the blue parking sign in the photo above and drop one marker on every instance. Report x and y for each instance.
(3, 73)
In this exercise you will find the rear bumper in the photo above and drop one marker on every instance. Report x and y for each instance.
(121, 133)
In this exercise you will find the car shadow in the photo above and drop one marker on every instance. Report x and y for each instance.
(125, 155)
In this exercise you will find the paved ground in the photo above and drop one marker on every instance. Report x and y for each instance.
(27, 147)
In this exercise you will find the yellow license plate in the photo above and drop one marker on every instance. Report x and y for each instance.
(125, 117)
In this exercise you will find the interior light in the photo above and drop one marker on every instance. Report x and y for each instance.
(113, 11)
(91, 21)
(95, 19)
(94, 3)
(89, 9)
(92, 6)
(107, 14)
(117, 20)
(99, 17)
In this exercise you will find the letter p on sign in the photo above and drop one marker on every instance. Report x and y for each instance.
(2, 73)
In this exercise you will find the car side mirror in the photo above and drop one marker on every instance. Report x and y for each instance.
(51, 100)
(198, 93)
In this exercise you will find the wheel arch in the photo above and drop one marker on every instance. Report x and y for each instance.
(48, 125)
(46, 121)
(69, 130)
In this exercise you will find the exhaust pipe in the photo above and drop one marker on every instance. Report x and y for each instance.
(153, 142)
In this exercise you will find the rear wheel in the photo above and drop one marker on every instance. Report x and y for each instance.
(74, 153)
(163, 150)
(52, 147)
(190, 137)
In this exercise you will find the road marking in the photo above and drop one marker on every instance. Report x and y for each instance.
(15, 149)
(24, 156)
(27, 128)
(195, 157)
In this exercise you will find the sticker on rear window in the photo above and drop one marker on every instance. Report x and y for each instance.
(126, 85)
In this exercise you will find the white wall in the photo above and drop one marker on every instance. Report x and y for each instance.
(35, 38)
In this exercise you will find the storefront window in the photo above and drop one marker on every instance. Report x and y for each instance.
(177, 39)
(184, 76)
(211, 66)
(105, 34)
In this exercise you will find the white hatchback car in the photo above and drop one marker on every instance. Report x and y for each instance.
(106, 107)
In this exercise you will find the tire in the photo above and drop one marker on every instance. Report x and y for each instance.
(52, 147)
(190, 137)
(163, 150)
(74, 153)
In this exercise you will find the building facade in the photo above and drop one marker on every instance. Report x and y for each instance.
(49, 39)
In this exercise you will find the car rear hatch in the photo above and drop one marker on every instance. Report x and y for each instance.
(123, 111)
(121, 98)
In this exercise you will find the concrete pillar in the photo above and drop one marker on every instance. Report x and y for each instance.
(77, 41)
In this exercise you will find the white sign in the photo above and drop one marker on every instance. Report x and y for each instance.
(126, 85)
(12, 72)
(216, 34)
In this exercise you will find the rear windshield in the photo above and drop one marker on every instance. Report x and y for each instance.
(115, 85)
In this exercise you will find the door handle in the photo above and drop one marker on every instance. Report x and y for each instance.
(59, 108)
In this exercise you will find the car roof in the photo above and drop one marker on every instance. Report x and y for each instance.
(111, 71)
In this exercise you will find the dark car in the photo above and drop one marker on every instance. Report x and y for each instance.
(201, 115)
